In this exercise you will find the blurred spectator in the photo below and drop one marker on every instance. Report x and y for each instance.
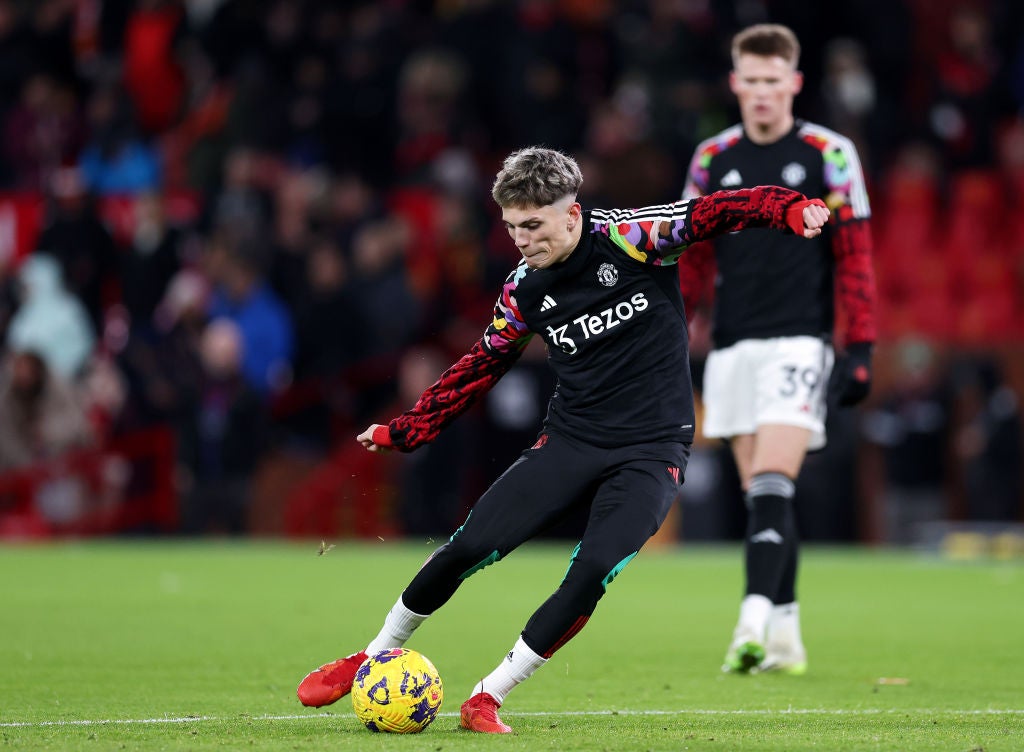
(151, 260)
(431, 498)
(331, 341)
(988, 441)
(15, 63)
(50, 322)
(103, 395)
(116, 160)
(78, 239)
(467, 273)
(331, 327)
(673, 60)
(305, 137)
(242, 294)
(152, 74)
(361, 101)
(42, 132)
(244, 198)
(883, 32)
(849, 92)
(40, 417)
(293, 199)
(350, 204)
(41, 420)
(194, 148)
(432, 114)
(52, 28)
(910, 427)
(963, 101)
(222, 437)
(382, 288)
(160, 363)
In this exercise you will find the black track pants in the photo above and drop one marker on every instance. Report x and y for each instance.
(629, 491)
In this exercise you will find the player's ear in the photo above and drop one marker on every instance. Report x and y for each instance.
(798, 82)
(733, 82)
(575, 212)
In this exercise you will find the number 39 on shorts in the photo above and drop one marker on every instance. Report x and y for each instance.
(799, 380)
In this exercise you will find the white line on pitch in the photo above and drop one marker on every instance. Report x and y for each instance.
(694, 711)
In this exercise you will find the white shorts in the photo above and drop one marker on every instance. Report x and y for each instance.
(780, 381)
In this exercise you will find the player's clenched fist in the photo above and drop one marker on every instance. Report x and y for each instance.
(807, 217)
(376, 438)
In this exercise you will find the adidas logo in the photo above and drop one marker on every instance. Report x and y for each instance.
(548, 303)
(732, 177)
(769, 535)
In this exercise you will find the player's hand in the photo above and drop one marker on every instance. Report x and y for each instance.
(375, 438)
(851, 377)
(807, 217)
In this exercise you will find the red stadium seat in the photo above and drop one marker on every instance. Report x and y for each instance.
(976, 210)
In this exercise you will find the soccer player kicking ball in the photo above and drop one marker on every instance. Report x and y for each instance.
(765, 380)
(600, 288)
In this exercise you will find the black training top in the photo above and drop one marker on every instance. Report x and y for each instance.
(769, 284)
(612, 318)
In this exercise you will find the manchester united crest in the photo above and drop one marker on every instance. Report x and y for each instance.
(794, 174)
(607, 275)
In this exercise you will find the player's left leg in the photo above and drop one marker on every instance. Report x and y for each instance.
(627, 510)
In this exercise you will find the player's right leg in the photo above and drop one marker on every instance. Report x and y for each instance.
(534, 493)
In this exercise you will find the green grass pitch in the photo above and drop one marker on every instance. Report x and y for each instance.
(199, 646)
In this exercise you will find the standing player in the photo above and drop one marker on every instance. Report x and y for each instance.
(601, 289)
(765, 380)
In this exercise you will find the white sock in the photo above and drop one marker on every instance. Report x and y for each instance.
(517, 667)
(784, 627)
(398, 628)
(754, 613)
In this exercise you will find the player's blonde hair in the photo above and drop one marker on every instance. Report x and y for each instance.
(536, 176)
(767, 40)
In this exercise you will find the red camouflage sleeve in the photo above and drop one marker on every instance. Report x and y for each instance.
(855, 274)
(847, 197)
(471, 377)
(728, 211)
(448, 397)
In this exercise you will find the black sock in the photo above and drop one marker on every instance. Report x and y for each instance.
(770, 528)
(787, 584)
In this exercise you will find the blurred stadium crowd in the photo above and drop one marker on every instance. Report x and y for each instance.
(233, 232)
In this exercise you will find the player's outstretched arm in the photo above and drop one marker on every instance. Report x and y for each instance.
(762, 206)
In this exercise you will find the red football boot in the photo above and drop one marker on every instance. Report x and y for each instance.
(330, 682)
(480, 713)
